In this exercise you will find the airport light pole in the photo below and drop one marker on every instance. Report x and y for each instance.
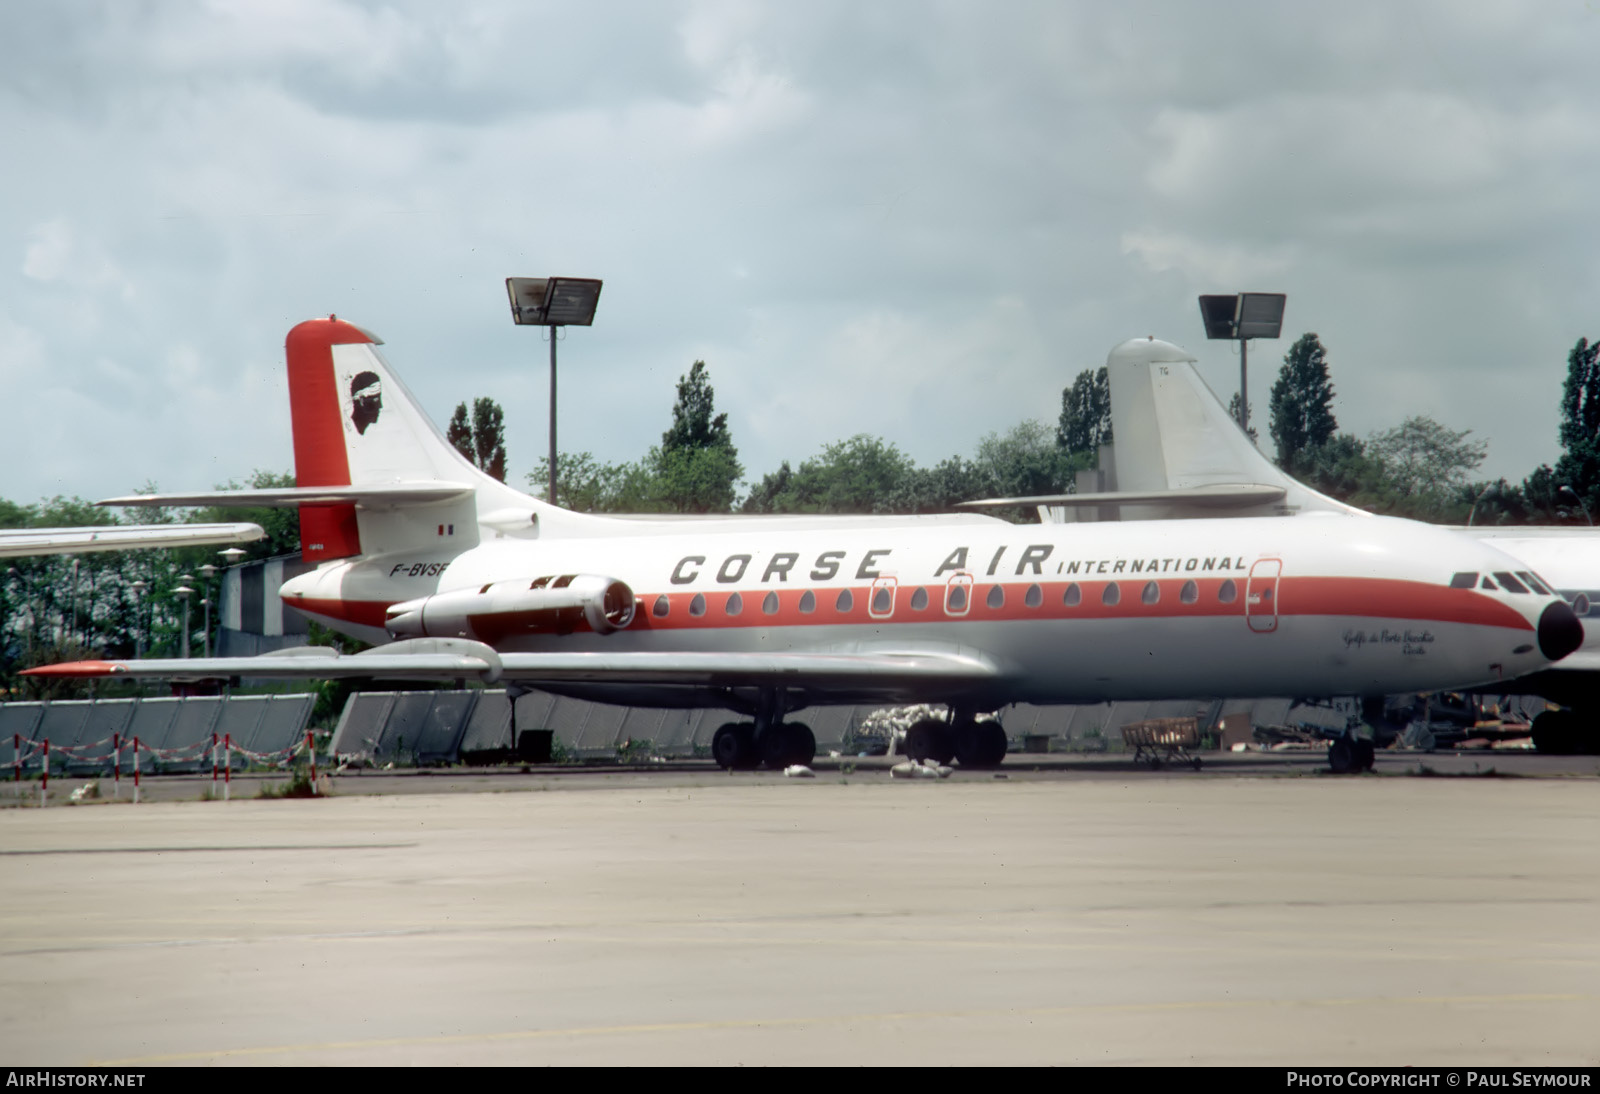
(208, 571)
(1239, 318)
(183, 593)
(553, 302)
(138, 585)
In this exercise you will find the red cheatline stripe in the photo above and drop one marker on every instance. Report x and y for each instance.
(1295, 596)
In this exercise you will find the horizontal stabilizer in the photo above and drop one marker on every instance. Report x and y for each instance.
(1224, 496)
(394, 495)
(16, 542)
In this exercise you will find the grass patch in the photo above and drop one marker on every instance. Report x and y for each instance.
(298, 786)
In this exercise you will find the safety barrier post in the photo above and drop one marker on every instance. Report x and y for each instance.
(116, 766)
(136, 771)
(311, 751)
(227, 760)
(213, 765)
(44, 783)
(16, 757)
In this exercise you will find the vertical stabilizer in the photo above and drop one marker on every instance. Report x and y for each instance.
(1172, 433)
(356, 424)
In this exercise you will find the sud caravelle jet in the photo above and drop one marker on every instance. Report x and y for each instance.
(1179, 454)
(461, 576)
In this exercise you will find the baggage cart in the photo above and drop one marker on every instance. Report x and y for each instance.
(1161, 741)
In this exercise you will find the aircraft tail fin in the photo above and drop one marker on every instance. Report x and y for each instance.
(356, 425)
(1171, 433)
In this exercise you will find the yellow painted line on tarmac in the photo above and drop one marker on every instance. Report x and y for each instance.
(838, 1020)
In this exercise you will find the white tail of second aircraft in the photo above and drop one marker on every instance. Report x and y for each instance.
(1172, 433)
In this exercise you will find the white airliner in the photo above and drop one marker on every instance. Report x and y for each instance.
(1179, 453)
(18, 542)
(463, 577)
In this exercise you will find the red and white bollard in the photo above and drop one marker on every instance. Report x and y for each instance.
(116, 766)
(44, 782)
(227, 770)
(213, 765)
(311, 751)
(136, 771)
(16, 757)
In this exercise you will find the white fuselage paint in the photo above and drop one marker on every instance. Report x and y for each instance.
(1337, 605)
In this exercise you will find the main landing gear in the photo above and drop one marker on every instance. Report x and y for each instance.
(769, 741)
(963, 738)
(1351, 755)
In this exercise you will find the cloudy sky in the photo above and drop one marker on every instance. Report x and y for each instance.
(917, 220)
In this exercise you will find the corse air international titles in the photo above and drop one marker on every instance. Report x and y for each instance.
(459, 576)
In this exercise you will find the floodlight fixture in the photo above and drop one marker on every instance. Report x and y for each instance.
(1239, 318)
(553, 302)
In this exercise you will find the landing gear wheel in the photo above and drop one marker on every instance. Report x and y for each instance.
(1342, 756)
(980, 744)
(1366, 754)
(1555, 733)
(786, 744)
(930, 739)
(733, 747)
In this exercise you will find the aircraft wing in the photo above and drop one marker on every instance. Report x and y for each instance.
(373, 496)
(16, 542)
(452, 658)
(1229, 496)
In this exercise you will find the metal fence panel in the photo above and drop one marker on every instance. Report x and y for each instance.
(361, 725)
(489, 726)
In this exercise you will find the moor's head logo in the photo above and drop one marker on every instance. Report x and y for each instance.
(366, 400)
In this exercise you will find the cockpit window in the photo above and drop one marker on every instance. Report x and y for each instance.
(1463, 581)
(1508, 583)
(1489, 584)
(1534, 583)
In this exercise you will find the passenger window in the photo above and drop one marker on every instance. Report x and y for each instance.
(769, 606)
(1035, 596)
(1151, 594)
(1190, 593)
(845, 601)
(1509, 583)
(1533, 582)
(808, 602)
(1463, 581)
(735, 604)
(956, 599)
(997, 597)
(882, 601)
(1229, 592)
(919, 600)
(663, 606)
(1073, 596)
(1111, 595)
(697, 606)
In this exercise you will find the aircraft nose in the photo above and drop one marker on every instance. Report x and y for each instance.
(1559, 631)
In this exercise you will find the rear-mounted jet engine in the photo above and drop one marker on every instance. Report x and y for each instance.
(546, 605)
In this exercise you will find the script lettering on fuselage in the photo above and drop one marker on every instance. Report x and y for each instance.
(875, 563)
(418, 569)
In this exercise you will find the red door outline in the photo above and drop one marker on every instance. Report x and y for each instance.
(1261, 594)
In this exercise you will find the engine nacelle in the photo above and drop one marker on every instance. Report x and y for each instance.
(500, 609)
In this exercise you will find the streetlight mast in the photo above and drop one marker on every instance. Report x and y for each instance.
(553, 302)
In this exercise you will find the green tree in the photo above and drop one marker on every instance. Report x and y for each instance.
(696, 467)
(1579, 465)
(1085, 422)
(1426, 467)
(482, 439)
(859, 475)
(1302, 403)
